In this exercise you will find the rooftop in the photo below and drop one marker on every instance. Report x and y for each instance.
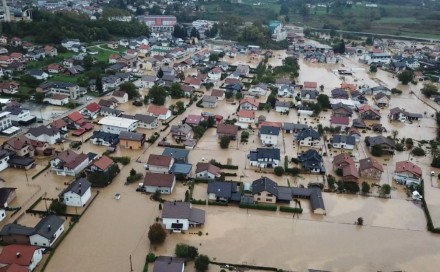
(117, 121)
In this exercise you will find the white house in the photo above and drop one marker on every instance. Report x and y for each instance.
(344, 142)
(68, 163)
(246, 116)
(77, 193)
(121, 96)
(259, 89)
(57, 99)
(5, 120)
(18, 256)
(178, 216)
(163, 183)
(249, 103)
(159, 163)
(281, 106)
(205, 170)
(47, 231)
(161, 112)
(146, 121)
(285, 91)
(269, 135)
(115, 125)
(44, 134)
(264, 157)
(215, 74)
(308, 137)
(20, 115)
(4, 158)
(2, 214)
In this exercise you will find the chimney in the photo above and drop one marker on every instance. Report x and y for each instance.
(170, 260)
(18, 255)
(48, 227)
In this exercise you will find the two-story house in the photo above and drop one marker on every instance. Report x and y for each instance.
(264, 157)
(69, 163)
(159, 163)
(308, 137)
(269, 135)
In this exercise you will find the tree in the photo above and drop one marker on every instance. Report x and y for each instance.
(39, 98)
(224, 142)
(202, 263)
(373, 68)
(321, 87)
(210, 122)
(405, 77)
(176, 91)
(157, 234)
(180, 106)
(213, 57)
(429, 90)
(396, 91)
(365, 187)
(158, 95)
(238, 96)
(418, 151)
(360, 221)
(180, 32)
(385, 189)
(57, 207)
(436, 161)
(331, 181)
(195, 33)
(279, 171)
(244, 136)
(98, 85)
(160, 73)
(377, 151)
(339, 172)
(186, 251)
(369, 40)
(132, 172)
(130, 89)
(324, 101)
(394, 133)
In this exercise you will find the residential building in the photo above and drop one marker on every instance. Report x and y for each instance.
(386, 144)
(160, 112)
(220, 94)
(4, 158)
(131, 140)
(159, 163)
(312, 161)
(47, 231)
(7, 195)
(178, 216)
(221, 191)
(181, 132)
(169, 264)
(20, 115)
(116, 125)
(341, 160)
(246, 116)
(205, 170)
(343, 142)
(77, 194)
(398, 114)
(159, 23)
(293, 127)
(164, 183)
(21, 145)
(209, 101)
(370, 168)
(341, 122)
(107, 111)
(286, 91)
(57, 99)
(121, 96)
(193, 120)
(265, 190)
(366, 112)
(314, 195)
(227, 130)
(341, 110)
(382, 100)
(101, 165)
(104, 138)
(308, 137)
(249, 103)
(20, 256)
(339, 93)
(44, 134)
(260, 89)
(5, 120)
(179, 155)
(15, 234)
(309, 95)
(72, 90)
(264, 157)
(92, 110)
(283, 107)
(407, 173)
(269, 135)
(68, 163)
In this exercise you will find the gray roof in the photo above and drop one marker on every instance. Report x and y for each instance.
(359, 123)
(183, 210)
(168, 264)
(351, 140)
(209, 99)
(176, 153)
(265, 184)
(312, 93)
(14, 110)
(148, 78)
(224, 189)
(379, 140)
(16, 229)
(143, 118)
(270, 130)
(282, 104)
(105, 136)
(168, 77)
(263, 153)
(311, 159)
(314, 194)
(341, 105)
(132, 136)
(293, 126)
(308, 132)
(40, 130)
(79, 187)
(181, 168)
(111, 111)
(185, 129)
(48, 226)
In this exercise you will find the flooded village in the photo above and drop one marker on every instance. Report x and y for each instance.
(316, 170)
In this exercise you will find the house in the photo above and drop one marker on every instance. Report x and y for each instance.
(209, 101)
(187, 90)
(21, 162)
(20, 115)
(181, 132)
(77, 194)
(38, 74)
(104, 138)
(160, 112)
(341, 110)
(159, 163)
(4, 157)
(146, 121)
(227, 130)
(44, 134)
(9, 87)
(249, 103)
(264, 157)
(308, 137)
(102, 165)
(215, 74)
(68, 163)
(92, 110)
(116, 125)
(386, 144)
(21, 145)
(355, 133)
(281, 106)
(57, 99)
(359, 123)
(357, 96)
(178, 216)
(131, 140)
(221, 191)
(285, 91)
(314, 195)
(310, 85)
(109, 103)
(163, 183)
(107, 111)
(220, 94)
(7, 195)
(179, 155)
(269, 135)
(382, 100)
(169, 264)
(370, 168)
(50, 51)
(398, 114)
(121, 96)
(47, 231)
(246, 116)
(21, 256)
(341, 122)
(350, 173)
(343, 142)
(75, 120)
(260, 89)
(407, 173)
(309, 95)
(15, 234)
(341, 160)
(205, 170)
(242, 70)
(312, 161)
(148, 81)
(366, 112)
(339, 93)
(265, 190)
(293, 128)
(54, 68)
(193, 120)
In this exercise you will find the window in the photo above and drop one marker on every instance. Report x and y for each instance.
(269, 199)
(269, 194)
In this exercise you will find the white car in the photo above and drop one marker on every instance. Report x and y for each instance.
(416, 195)
(117, 196)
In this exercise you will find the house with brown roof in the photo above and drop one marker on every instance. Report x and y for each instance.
(407, 173)
(193, 120)
(131, 140)
(54, 68)
(9, 87)
(386, 144)
(68, 163)
(341, 110)
(246, 116)
(21, 145)
(370, 168)
(159, 163)
(382, 100)
(178, 216)
(366, 112)
(350, 173)
(310, 85)
(341, 122)
(26, 256)
(44, 134)
(220, 94)
(249, 103)
(160, 112)
(163, 183)
(102, 165)
(59, 124)
(227, 130)
(205, 170)
(342, 160)
(121, 96)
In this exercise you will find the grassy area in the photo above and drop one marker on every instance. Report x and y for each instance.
(63, 78)
(39, 64)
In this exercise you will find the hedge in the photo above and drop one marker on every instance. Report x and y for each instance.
(266, 268)
(215, 203)
(290, 209)
(429, 223)
(200, 180)
(198, 202)
(259, 207)
(225, 166)
(122, 160)
(228, 174)
(41, 171)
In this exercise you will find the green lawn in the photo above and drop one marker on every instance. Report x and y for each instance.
(63, 78)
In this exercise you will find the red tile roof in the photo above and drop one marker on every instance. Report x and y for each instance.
(103, 163)
(227, 129)
(157, 110)
(249, 100)
(75, 116)
(193, 119)
(340, 120)
(270, 124)
(205, 166)
(93, 107)
(14, 268)
(407, 166)
(159, 160)
(60, 123)
(160, 180)
(310, 85)
(246, 114)
(9, 254)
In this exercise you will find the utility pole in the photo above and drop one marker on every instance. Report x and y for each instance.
(25, 173)
(131, 264)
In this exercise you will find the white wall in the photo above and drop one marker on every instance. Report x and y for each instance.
(168, 221)
(36, 258)
(39, 240)
(75, 200)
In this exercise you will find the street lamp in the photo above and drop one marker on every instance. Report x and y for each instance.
(25, 173)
